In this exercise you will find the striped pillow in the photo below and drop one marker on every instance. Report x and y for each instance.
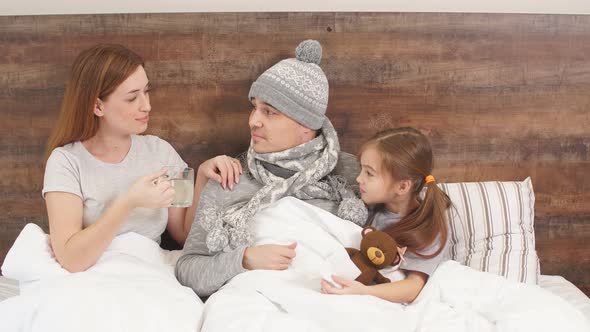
(492, 228)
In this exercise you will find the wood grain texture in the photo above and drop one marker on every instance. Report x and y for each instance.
(501, 96)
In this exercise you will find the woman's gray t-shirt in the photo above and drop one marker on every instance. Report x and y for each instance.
(413, 262)
(73, 169)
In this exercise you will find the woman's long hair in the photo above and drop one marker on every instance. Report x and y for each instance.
(406, 154)
(96, 73)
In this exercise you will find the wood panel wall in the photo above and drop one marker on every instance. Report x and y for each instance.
(502, 97)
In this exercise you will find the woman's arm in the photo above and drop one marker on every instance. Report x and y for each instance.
(77, 248)
(403, 291)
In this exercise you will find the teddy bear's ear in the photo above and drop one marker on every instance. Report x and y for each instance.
(368, 230)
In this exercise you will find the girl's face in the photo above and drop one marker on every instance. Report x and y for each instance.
(126, 110)
(375, 183)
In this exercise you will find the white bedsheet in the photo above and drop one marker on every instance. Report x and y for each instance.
(559, 286)
(131, 288)
(456, 298)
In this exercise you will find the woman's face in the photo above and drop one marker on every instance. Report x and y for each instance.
(126, 110)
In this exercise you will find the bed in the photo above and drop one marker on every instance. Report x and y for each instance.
(555, 284)
(249, 301)
(8, 288)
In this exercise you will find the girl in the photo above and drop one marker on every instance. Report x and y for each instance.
(396, 164)
(99, 176)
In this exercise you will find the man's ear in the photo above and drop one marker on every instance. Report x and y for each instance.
(307, 133)
(305, 130)
(98, 108)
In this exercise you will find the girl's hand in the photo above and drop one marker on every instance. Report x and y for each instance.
(349, 287)
(150, 191)
(223, 169)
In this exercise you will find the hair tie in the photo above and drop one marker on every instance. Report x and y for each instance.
(429, 179)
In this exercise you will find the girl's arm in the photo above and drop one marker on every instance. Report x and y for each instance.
(222, 169)
(403, 291)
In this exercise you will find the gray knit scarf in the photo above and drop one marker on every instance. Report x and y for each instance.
(311, 164)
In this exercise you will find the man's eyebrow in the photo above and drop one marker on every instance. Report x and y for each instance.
(264, 103)
(267, 104)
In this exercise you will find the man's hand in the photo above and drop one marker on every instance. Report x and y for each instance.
(269, 257)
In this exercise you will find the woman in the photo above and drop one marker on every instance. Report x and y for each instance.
(100, 174)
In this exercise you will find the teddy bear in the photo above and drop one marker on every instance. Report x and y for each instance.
(378, 250)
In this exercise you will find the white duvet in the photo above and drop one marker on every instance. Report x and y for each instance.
(456, 298)
(131, 288)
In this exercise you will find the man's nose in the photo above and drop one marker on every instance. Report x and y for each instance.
(254, 120)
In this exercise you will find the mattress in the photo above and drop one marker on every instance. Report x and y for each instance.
(8, 288)
(555, 284)
(561, 287)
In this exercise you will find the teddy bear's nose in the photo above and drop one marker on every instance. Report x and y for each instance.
(378, 254)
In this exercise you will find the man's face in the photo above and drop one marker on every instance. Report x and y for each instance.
(271, 131)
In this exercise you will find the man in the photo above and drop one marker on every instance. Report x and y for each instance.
(294, 151)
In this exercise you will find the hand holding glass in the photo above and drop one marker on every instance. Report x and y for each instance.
(182, 179)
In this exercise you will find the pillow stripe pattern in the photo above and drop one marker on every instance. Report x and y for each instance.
(451, 213)
(491, 228)
(488, 230)
(505, 259)
(523, 260)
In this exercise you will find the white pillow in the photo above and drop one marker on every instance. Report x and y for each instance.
(31, 258)
(491, 228)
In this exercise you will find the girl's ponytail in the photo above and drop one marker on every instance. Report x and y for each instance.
(429, 219)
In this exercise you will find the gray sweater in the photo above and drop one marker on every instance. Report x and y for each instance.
(206, 272)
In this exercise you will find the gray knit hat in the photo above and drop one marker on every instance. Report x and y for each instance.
(296, 87)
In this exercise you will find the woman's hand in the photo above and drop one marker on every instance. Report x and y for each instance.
(349, 287)
(150, 192)
(223, 169)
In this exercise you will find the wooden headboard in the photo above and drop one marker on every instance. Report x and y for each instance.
(501, 96)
